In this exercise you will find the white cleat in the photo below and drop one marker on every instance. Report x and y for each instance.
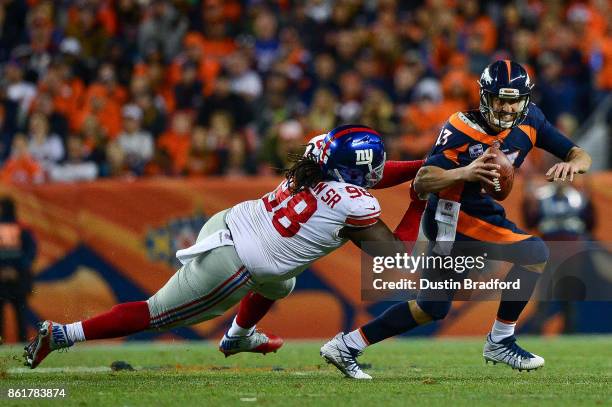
(344, 358)
(507, 351)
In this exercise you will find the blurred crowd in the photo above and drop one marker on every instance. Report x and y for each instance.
(125, 88)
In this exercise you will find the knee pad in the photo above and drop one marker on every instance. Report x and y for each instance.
(275, 290)
(435, 309)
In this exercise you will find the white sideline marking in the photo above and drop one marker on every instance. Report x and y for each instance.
(71, 369)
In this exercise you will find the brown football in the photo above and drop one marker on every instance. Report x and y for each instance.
(504, 183)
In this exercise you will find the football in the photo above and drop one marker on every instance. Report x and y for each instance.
(503, 184)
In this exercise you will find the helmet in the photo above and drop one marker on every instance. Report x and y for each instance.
(354, 154)
(505, 80)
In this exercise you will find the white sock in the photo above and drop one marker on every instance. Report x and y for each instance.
(237, 330)
(501, 330)
(75, 332)
(355, 340)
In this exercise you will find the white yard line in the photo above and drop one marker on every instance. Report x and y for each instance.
(71, 369)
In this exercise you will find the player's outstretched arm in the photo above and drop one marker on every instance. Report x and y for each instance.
(388, 244)
(398, 172)
(435, 179)
(577, 161)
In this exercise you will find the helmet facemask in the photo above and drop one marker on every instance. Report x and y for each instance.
(360, 177)
(375, 175)
(494, 117)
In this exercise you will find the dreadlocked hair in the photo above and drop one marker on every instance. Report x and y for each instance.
(304, 173)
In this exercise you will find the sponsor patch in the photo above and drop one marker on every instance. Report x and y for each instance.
(476, 150)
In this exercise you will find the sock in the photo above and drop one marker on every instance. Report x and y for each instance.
(237, 330)
(123, 319)
(75, 332)
(253, 308)
(512, 303)
(398, 172)
(355, 340)
(395, 320)
(502, 329)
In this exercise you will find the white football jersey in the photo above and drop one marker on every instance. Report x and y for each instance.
(278, 236)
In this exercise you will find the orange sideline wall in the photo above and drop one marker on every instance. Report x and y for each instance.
(110, 241)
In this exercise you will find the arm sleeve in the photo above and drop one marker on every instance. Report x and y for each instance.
(552, 140)
(398, 172)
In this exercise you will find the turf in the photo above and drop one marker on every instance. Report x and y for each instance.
(428, 372)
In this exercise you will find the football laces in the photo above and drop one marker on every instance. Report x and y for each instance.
(497, 185)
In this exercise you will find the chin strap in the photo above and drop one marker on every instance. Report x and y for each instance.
(498, 123)
(338, 175)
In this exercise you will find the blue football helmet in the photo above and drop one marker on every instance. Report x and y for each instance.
(505, 80)
(354, 154)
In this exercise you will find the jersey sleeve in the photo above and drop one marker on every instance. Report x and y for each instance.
(445, 153)
(362, 208)
(548, 137)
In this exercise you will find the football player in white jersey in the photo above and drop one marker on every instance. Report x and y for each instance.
(252, 252)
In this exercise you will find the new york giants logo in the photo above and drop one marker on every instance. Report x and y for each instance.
(364, 156)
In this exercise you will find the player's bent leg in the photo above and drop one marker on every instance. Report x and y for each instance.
(530, 257)
(242, 336)
(431, 305)
(343, 350)
(202, 289)
(190, 296)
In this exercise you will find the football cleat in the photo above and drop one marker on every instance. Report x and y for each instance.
(51, 336)
(344, 358)
(256, 342)
(507, 351)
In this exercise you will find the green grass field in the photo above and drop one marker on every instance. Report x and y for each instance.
(432, 372)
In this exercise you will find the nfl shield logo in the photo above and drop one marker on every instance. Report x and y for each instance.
(476, 150)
